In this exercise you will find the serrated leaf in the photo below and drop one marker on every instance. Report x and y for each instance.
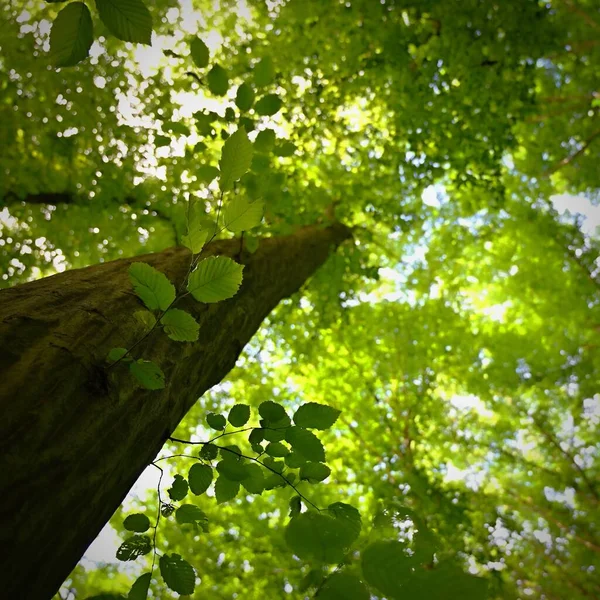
(195, 239)
(139, 590)
(277, 449)
(216, 421)
(306, 443)
(134, 546)
(178, 574)
(116, 354)
(215, 278)
(137, 522)
(190, 513)
(180, 326)
(152, 286)
(148, 374)
(265, 140)
(145, 318)
(343, 586)
(72, 35)
(348, 515)
(273, 435)
(226, 489)
(315, 536)
(200, 477)
(128, 20)
(313, 472)
(268, 105)
(264, 72)
(236, 158)
(256, 436)
(239, 415)
(209, 452)
(271, 411)
(244, 98)
(218, 80)
(232, 469)
(254, 483)
(179, 488)
(199, 52)
(316, 416)
(295, 506)
(241, 215)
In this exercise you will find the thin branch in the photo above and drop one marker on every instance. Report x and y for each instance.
(569, 159)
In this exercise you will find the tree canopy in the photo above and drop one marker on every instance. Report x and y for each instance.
(421, 419)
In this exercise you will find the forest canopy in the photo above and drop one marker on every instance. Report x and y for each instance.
(378, 221)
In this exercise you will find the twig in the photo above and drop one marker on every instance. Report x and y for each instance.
(569, 159)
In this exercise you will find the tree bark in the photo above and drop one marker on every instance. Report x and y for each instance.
(74, 436)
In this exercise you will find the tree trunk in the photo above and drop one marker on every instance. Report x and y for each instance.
(74, 437)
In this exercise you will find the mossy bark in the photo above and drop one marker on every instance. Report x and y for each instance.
(74, 436)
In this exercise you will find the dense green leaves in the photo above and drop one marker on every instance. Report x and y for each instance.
(152, 286)
(215, 278)
(71, 35)
(129, 20)
(200, 477)
(180, 326)
(137, 522)
(178, 574)
(236, 158)
(316, 416)
(148, 374)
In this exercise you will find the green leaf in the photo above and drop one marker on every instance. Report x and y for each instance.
(128, 20)
(206, 173)
(295, 506)
(348, 515)
(152, 286)
(264, 72)
(285, 149)
(244, 99)
(134, 546)
(265, 140)
(200, 477)
(343, 586)
(137, 522)
(190, 513)
(386, 566)
(145, 318)
(226, 489)
(216, 421)
(256, 436)
(277, 449)
(179, 489)
(199, 52)
(166, 510)
(251, 243)
(315, 536)
(314, 472)
(195, 239)
(316, 416)
(148, 374)
(241, 215)
(209, 452)
(215, 278)
(254, 483)
(271, 411)
(72, 35)
(160, 141)
(268, 105)
(178, 574)
(274, 481)
(273, 435)
(218, 80)
(294, 460)
(236, 158)
(180, 326)
(116, 354)
(239, 415)
(139, 590)
(306, 443)
(233, 469)
(276, 465)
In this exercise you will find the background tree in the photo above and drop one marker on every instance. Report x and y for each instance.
(456, 334)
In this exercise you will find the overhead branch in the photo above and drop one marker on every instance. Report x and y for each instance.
(569, 159)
